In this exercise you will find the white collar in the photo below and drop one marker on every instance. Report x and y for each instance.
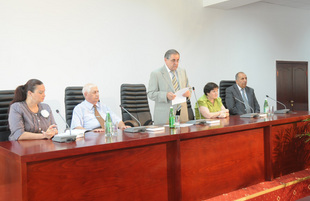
(169, 71)
(90, 105)
(239, 87)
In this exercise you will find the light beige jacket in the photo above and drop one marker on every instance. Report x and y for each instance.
(159, 85)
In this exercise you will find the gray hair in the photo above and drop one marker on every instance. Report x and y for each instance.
(87, 88)
(170, 52)
(237, 75)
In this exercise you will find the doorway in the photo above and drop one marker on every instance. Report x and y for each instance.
(292, 85)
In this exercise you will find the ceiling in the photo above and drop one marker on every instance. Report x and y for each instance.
(230, 4)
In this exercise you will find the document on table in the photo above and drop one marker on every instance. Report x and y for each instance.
(181, 125)
(179, 96)
(77, 132)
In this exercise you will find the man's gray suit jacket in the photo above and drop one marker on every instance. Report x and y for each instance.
(235, 107)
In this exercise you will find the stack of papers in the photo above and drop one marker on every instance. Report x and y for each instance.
(213, 121)
(182, 124)
(77, 132)
(155, 128)
(263, 115)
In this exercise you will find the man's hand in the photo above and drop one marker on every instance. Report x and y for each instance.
(99, 130)
(170, 96)
(122, 126)
(187, 94)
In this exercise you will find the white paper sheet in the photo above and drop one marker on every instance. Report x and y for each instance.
(77, 132)
(181, 125)
(179, 96)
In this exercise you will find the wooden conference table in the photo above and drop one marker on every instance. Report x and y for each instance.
(189, 163)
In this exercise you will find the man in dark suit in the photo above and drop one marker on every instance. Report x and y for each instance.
(241, 99)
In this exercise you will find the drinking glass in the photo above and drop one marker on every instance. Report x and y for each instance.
(271, 111)
(177, 121)
(115, 130)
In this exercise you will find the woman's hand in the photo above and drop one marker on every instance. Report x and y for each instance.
(222, 114)
(227, 112)
(50, 132)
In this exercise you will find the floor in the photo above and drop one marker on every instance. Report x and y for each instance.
(305, 199)
(294, 186)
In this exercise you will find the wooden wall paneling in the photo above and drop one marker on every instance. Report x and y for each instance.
(268, 153)
(290, 153)
(174, 171)
(133, 174)
(222, 163)
(10, 176)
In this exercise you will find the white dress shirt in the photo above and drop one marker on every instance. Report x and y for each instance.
(84, 115)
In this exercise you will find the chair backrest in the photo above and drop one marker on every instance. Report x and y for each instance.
(134, 99)
(6, 96)
(73, 96)
(191, 115)
(223, 85)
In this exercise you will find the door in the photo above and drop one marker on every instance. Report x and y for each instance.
(292, 85)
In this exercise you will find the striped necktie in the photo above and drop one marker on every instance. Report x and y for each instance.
(176, 86)
(175, 82)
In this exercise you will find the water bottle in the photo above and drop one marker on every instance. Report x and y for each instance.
(108, 125)
(171, 118)
(266, 106)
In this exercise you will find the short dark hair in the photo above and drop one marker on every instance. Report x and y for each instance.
(237, 75)
(209, 87)
(170, 52)
(21, 91)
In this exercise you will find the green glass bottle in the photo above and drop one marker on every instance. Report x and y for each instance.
(171, 118)
(266, 106)
(108, 125)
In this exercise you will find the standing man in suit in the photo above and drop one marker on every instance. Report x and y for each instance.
(243, 93)
(163, 83)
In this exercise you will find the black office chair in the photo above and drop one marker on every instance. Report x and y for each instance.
(73, 96)
(191, 115)
(134, 99)
(6, 96)
(223, 85)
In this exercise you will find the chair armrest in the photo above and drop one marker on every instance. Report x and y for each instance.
(148, 122)
(131, 123)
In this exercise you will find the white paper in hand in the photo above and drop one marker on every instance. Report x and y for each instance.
(179, 96)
